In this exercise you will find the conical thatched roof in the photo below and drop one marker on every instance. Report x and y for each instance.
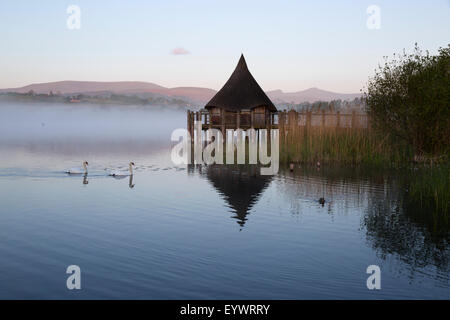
(241, 91)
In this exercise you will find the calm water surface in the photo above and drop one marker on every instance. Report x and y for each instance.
(177, 232)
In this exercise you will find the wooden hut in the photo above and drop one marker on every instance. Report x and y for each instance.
(241, 103)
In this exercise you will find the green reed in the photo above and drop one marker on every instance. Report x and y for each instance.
(340, 146)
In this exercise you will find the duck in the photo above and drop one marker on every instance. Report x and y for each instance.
(82, 170)
(322, 201)
(118, 173)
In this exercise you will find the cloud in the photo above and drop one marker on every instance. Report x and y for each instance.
(179, 50)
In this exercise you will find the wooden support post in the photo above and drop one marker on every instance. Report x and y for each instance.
(292, 120)
(190, 129)
(192, 125)
(281, 124)
(238, 119)
(251, 118)
(197, 117)
(308, 119)
(210, 119)
(188, 125)
(296, 125)
(222, 127)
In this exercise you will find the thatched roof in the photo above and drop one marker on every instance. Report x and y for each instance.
(241, 91)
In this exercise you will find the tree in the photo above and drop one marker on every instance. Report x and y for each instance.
(409, 98)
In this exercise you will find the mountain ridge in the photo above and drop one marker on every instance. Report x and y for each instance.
(197, 94)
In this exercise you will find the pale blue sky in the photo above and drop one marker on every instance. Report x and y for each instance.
(289, 45)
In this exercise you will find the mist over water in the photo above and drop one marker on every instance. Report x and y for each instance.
(38, 122)
(64, 135)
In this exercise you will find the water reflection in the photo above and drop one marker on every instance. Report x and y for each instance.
(239, 185)
(130, 179)
(394, 226)
(416, 236)
(130, 182)
(419, 236)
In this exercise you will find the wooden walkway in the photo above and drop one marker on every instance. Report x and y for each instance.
(283, 120)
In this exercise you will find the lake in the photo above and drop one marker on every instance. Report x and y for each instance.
(196, 232)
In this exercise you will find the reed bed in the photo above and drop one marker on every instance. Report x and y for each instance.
(339, 145)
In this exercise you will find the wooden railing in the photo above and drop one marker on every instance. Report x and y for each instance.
(323, 119)
(281, 119)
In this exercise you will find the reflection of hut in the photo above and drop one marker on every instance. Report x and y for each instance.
(241, 103)
(240, 185)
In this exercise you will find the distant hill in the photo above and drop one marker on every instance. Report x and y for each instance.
(194, 94)
(67, 87)
(309, 95)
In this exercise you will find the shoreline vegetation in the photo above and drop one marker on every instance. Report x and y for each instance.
(343, 146)
(407, 104)
(408, 99)
(109, 99)
(357, 104)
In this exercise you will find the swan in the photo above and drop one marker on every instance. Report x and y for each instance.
(82, 170)
(118, 173)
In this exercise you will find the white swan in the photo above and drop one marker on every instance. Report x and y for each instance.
(82, 170)
(122, 173)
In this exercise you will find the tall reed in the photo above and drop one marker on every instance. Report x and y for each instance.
(306, 144)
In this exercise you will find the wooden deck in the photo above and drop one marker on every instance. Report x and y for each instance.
(283, 120)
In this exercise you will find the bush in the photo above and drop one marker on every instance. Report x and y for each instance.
(408, 99)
